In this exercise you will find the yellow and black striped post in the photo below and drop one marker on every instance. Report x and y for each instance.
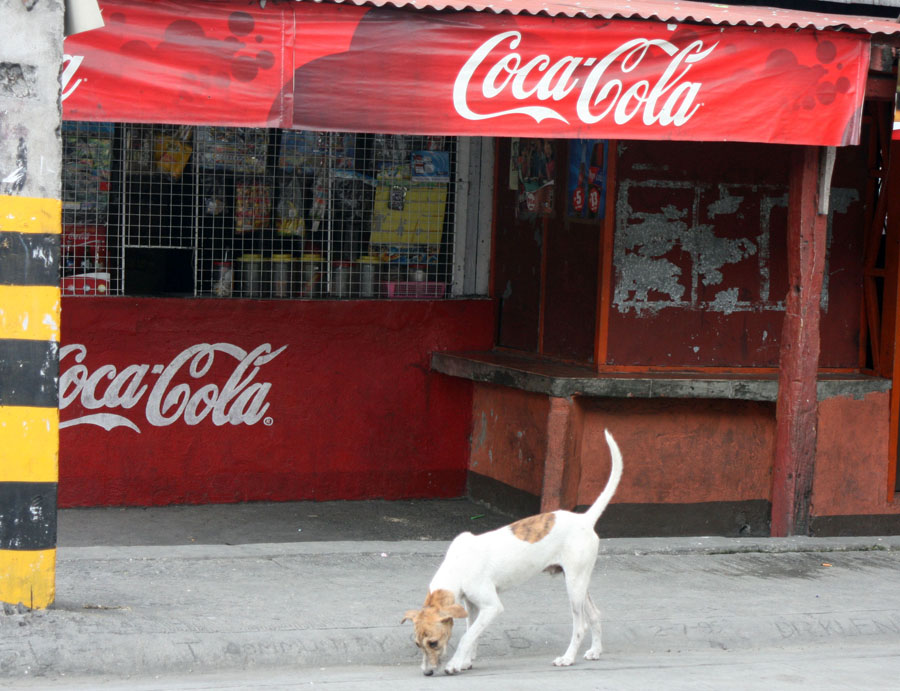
(29, 406)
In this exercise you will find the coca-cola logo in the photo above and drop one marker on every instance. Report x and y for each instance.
(71, 63)
(177, 394)
(506, 73)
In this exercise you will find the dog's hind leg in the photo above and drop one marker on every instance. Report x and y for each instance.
(577, 584)
(593, 615)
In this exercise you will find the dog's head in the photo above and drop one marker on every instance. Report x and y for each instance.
(433, 625)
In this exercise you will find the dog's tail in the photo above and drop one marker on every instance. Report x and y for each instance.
(615, 474)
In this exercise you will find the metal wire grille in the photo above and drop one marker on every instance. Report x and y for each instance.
(256, 213)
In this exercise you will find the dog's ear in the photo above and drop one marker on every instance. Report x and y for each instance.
(454, 611)
(410, 615)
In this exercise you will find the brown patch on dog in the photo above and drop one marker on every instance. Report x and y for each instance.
(554, 569)
(439, 598)
(534, 528)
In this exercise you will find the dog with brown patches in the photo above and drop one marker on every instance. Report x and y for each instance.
(478, 567)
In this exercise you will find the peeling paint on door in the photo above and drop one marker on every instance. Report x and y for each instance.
(667, 257)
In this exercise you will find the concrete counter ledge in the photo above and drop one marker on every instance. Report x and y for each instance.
(565, 380)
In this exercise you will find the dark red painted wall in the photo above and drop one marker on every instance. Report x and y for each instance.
(700, 256)
(699, 260)
(348, 410)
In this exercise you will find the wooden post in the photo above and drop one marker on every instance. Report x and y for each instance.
(890, 340)
(797, 405)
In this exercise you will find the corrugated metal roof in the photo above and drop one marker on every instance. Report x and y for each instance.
(696, 12)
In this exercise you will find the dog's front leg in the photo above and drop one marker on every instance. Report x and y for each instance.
(462, 659)
(473, 610)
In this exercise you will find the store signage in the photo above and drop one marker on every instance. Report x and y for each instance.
(163, 394)
(67, 80)
(605, 91)
(171, 400)
(335, 67)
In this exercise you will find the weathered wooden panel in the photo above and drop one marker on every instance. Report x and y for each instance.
(518, 247)
(700, 256)
(571, 290)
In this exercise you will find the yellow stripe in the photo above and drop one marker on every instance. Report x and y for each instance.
(29, 312)
(30, 214)
(28, 577)
(29, 444)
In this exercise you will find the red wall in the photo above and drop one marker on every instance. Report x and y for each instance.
(680, 451)
(348, 410)
(509, 438)
(851, 476)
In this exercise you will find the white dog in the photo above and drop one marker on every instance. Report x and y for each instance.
(477, 568)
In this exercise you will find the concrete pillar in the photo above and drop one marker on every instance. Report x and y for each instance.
(30, 225)
(562, 464)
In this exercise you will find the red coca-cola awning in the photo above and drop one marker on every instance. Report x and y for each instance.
(357, 67)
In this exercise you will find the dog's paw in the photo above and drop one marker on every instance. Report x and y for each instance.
(454, 667)
(563, 661)
(593, 654)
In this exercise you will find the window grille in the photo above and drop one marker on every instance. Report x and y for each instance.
(256, 213)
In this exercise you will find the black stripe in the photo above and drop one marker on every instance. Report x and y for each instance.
(510, 500)
(27, 515)
(843, 526)
(747, 518)
(29, 371)
(29, 259)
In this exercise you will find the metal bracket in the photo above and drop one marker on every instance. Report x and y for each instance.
(826, 168)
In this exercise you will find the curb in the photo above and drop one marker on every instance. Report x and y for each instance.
(608, 546)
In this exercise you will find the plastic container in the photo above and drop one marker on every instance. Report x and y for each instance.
(340, 279)
(251, 281)
(282, 275)
(224, 281)
(311, 275)
(369, 269)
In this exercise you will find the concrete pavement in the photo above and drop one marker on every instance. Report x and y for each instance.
(190, 606)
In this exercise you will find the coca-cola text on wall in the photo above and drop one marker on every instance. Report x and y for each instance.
(669, 100)
(238, 400)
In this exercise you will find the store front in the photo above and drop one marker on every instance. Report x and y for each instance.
(284, 226)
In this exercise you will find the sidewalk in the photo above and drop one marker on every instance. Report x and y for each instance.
(286, 593)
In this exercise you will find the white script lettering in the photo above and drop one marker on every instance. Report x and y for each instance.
(72, 63)
(240, 400)
(669, 99)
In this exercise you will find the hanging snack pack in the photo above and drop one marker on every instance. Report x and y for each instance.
(87, 159)
(252, 206)
(172, 151)
(290, 207)
(236, 149)
(302, 151)
(410, 201)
